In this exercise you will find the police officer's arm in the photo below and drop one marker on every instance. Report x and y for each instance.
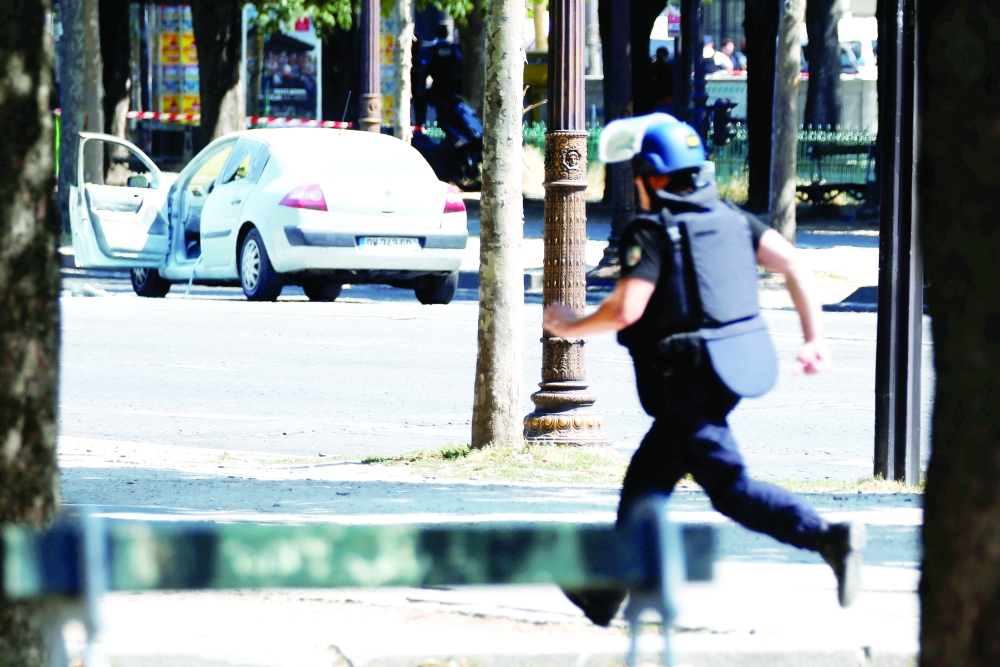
(779, 256)
(622, 309)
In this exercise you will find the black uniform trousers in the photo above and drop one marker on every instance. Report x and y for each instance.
(690, 435)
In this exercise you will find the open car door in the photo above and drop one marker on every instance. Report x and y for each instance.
(116, 206)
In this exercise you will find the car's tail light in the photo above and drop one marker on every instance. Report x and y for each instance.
(453, 202)
(306, 196)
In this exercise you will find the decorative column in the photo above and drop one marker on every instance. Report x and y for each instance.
(563, 407)
(620, 177)
(370, 115)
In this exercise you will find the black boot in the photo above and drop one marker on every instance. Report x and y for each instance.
(841, 546)
(598, 604)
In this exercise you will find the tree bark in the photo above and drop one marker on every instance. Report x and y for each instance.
(958, 181)
(29, 292)
(404, 60)
(541, 25)
(499, 387)
(785, 126)
(760, 24)
(81, 91)
(117, 72)
(218, 27)
(472, 34)
(253, 84)
(823, 54)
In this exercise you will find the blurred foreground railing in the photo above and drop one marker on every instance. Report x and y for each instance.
(83, 556)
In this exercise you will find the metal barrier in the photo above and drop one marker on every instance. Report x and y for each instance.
(83, 556)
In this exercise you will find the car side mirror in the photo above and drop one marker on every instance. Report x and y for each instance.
(211, 186)
(137, 182)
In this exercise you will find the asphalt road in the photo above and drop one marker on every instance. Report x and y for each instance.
(377, 373)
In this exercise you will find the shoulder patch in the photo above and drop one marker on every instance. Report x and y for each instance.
(633, 255)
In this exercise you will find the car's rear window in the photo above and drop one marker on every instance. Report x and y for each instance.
(329, 152)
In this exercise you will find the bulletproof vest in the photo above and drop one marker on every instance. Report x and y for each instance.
(708, 287)
(712, 281)
(443, 64)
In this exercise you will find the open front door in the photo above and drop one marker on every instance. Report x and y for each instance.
(116, 206)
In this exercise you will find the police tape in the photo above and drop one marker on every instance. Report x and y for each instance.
(252, 120)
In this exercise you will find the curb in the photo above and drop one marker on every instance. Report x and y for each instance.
(863, 300)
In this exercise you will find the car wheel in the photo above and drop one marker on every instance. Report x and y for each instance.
(322, 291)
(259, 279)
(437, 289)
(149, 283)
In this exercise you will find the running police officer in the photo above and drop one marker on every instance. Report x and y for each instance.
(686, 308)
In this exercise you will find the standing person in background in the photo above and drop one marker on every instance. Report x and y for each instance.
(442, 62)
(661, 81)
(686, 307)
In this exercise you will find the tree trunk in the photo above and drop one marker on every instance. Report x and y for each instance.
(29, 293)
(253, 84)
(760, 24)
(218, 27)
(81, 91)
(823, 54)
(541, 25)
(497, 407)
(785, 129)
(117, 79)
(404, 60)
(472, 33)
(959, 153)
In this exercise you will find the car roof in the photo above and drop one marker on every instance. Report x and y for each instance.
(355, 149)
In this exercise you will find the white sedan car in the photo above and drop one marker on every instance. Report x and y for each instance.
(266, 208)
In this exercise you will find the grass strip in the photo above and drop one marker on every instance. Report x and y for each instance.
(583, 465)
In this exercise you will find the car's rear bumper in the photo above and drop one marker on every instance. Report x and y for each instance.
(306, 248)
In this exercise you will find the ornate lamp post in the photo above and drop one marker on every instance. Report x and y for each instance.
(563, 407)
(370, 115)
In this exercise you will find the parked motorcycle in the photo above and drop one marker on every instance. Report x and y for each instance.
(457, 157)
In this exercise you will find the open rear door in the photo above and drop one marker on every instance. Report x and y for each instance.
(116, 206)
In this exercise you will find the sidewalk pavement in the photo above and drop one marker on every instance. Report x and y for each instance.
(769, 604)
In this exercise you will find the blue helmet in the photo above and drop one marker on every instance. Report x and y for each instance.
(669, 147)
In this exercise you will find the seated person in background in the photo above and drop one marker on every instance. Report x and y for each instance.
(715, 61)
(738, 59)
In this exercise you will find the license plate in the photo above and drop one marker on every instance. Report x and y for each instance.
(389, 245)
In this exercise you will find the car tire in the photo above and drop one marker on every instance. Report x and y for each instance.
(258, 278)
(322, 291)
(437, 289)
(149, 283)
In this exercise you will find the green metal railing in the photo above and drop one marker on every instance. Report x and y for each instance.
(731, 160)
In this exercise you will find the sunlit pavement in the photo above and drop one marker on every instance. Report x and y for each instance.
(154, 392)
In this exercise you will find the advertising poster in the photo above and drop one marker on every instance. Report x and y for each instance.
(189, 52)
(176, 66)
(289, 76)
(387, 69)
(170, 48)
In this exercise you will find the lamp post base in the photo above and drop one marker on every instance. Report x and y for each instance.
(564, 415)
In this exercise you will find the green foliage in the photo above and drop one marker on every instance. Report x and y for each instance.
(329, 15)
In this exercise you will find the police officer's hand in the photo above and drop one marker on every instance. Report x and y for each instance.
(814, 356)
(557, 319)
